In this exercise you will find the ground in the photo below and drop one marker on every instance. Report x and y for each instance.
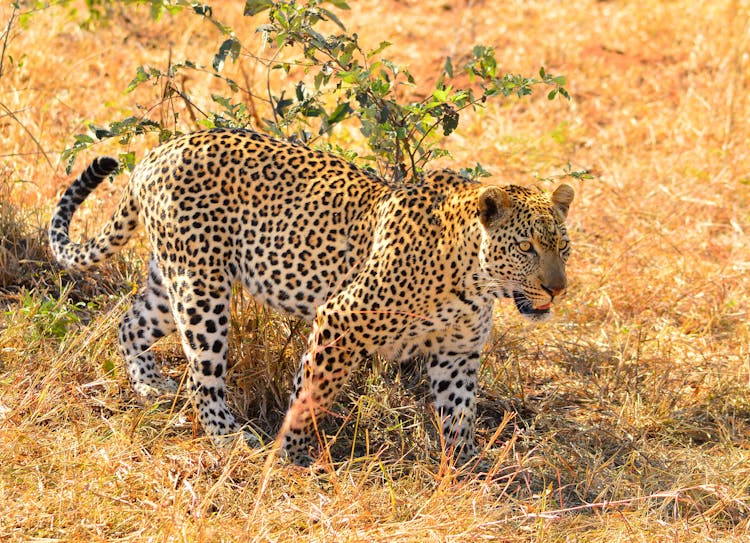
(627, 417)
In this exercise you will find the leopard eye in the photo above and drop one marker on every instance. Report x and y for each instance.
(525, 246)
(562, 245)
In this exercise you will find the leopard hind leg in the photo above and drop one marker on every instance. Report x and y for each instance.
(202, 312)
(148, 319)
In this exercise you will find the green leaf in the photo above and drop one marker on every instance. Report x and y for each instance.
(483, 64)
(101, 133)
(83, 139)
(331, 16)
(128, 160)
(299, 91)
(379, 49)
(140, 76)
(282, 104)
(461, 97)
(24, 18)
(231, 47)
(221, 100)
(448, 67)
(203, 9)
(475, 172)
(449, 121)
(441, 95)
(157, 10)
(206, 123)
(351, 76)
(231, 84)
(165, 134)
(341, 4)
(340, 113)
(253, 7)
(108, 366)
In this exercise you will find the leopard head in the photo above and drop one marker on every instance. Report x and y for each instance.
(525, 245)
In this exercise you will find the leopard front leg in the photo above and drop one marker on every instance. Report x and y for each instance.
(453, 379)
(330, 358)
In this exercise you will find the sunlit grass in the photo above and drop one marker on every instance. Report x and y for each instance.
(626, 418)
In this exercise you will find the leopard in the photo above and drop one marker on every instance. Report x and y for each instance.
(401, 270)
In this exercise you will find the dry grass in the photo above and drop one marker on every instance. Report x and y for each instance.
(630, 411)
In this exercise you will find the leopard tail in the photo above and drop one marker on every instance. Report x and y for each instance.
(114, 234)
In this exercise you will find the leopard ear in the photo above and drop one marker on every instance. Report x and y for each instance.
(494, 204)
(562, 197)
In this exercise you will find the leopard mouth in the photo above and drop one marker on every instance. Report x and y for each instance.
(526, 306)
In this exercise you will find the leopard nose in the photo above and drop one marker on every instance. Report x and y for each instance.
(554, 290)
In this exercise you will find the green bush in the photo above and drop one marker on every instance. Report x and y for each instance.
(344, 83)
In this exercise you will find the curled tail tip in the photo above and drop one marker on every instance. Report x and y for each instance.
(98, 171)
(106, 165)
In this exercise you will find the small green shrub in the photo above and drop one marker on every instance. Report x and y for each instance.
(334, 81)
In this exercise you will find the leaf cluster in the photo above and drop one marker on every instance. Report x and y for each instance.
(334, 80)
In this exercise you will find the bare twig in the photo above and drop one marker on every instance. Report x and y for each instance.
(251, 98)
(5, 39)
(12, 115)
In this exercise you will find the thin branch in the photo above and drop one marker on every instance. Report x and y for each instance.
(250, 97)
(268, 88)
(5, 40)
(32, 136)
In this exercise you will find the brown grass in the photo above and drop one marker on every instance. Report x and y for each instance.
(629, 413)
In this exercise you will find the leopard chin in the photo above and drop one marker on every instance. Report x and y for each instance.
(526, 308)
